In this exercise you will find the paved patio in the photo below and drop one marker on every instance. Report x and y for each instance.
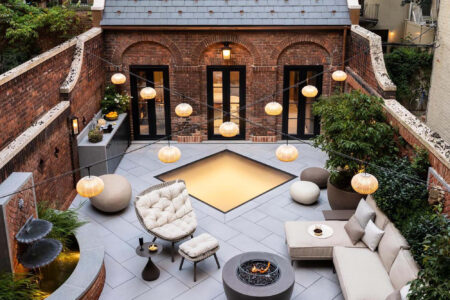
(254, 226)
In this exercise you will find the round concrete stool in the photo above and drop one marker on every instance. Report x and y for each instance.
(115, 196)
(317, 175)
(304, 192)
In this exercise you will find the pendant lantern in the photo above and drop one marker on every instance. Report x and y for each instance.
(169, 154)
(148, 93)
(90, 186)
(287, 153)
(309, 91)
(273, 108)
(364, 183)
(229, 129)
(118, 78)
(183, 110)
(339, 75)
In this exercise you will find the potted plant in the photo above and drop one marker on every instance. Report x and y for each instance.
(114, 103)
(95, 135)
(353, 125)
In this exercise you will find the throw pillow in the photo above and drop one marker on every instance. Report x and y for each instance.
(404, 292)
(364, 213)
(354, 229)
(372, 235)
(395, 295)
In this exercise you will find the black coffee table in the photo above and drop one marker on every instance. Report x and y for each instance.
(236, 289)
(150, 271)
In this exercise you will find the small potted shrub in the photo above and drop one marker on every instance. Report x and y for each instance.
(354, 125)
(95, 135)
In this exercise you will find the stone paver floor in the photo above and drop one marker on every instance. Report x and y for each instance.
(254, 226)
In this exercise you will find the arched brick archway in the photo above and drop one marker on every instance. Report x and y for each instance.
(198, 51)
(291, 41)
(158, 39)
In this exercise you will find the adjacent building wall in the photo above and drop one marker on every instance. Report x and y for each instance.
(438, 110)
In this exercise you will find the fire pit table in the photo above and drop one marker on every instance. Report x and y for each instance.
(258, 275)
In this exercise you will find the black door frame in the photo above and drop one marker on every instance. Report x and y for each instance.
(149, 69)
(225, 99)
(302, 104)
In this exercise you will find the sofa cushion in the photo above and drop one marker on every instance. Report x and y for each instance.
(381, 220)
(395, 295)
(372, 235)
(403, 270)
(404, 291)
(354, 229)
(364, 213)
(361, 274)
(301, 245)
(390, 244)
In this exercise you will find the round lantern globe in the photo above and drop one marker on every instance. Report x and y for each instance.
(183, 110)
(364, 183)
(287, 153)
(309, 91)
(339, 75)
(148, 93)
(118, 78)
(90, 186)
(169, 154)
(228, 129)
(273, 108)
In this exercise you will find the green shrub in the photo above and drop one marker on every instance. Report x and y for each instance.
(352, 124)
(18, 286)
(65, 223)
(434, 278)
(114, 101)
(95, 135)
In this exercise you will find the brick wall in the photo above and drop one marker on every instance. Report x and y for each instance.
(97, 287)
(263, 53)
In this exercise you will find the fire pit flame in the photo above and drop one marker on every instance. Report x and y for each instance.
(261, 270)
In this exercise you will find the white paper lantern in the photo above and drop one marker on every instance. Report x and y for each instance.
(364, 183)
(339, 75)
(183, 110)
(90, 186)
(148, 93)
(169, 154)
(273, 108)
(228, 129)
(309, 91)
(118, 78)
(286, 153)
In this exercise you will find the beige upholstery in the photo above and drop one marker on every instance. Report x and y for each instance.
(354, 229)
(361, 274)
(390, 245)
(199, 245)
(304, 192)
(115, 196)
(381, 220)
(403, 270)
(303, 246)
(167, 212)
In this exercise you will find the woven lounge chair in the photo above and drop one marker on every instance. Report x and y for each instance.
(165, 211)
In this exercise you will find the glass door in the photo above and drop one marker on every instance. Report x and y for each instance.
(151, 118)
(226, 91)
(298, 119)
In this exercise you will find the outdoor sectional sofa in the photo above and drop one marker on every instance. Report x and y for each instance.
(363, 274)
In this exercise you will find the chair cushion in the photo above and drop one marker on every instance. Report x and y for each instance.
(317, 175)
(354, 229)
(199, 245)
(361, 274)
(390, 244)
(364, 213)
(301, 245)
(167, 211)
(381, 220)
(403, 270)
(372, 235)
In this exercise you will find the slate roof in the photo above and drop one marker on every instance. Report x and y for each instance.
(225, 12)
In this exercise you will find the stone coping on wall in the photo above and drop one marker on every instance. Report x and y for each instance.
(13, 148)
(77, 62)
(377, 58)
(429, 138)
(92, 253)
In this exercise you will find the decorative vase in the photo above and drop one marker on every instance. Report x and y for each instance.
(340, 199)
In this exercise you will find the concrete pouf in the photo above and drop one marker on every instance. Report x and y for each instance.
(115, 196)
(304, 192)
(317, 175)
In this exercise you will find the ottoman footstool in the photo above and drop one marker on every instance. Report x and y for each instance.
(317, 175)
(304, 192)
(197, 249)
(115, 196)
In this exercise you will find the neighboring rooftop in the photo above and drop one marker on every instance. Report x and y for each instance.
(225, 12)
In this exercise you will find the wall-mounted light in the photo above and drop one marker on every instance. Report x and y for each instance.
(226, 51)
(74, 125)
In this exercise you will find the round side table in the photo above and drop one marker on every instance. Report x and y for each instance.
(150, 271)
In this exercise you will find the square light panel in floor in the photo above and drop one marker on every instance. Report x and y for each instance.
(226, 179)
